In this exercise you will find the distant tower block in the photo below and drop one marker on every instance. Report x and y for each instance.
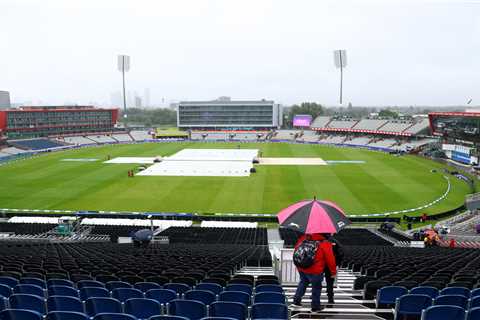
(5, 100)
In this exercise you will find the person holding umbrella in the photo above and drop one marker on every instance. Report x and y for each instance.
(313, 253)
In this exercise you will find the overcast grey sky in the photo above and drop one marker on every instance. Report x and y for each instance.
(400, 52)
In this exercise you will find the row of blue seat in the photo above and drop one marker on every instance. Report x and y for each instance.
(143, 308)
(387, 296)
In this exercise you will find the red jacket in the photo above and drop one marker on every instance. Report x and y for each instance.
(324, 256)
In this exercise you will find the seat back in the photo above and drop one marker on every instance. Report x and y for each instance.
(234, 310)
(38, 282)
(93, 292)
(5, 291)
(268, 288)
(240, 287)
(117, 284)
(62, 291)
(122, 294)
(473, 314)
(60, 282)
(213, 287)
(235, 296)
(443, 313)
(451, 300)
(16, 314)
(207, 297)
(387, 296)
(29, 289)
(179, 288)
(64, 303)
(269, 311)
(66, 315)
(432, 292)
(412, 304)
(9, 281)
(28, 302)
(194, 310)
(145, 286)
(89, 283)
(269, 297)
(456, 290)
(142, 308)
(95, 306)
(114, 316)
(163, 296)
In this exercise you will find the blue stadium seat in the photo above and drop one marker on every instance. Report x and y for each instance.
(179, 288)
(64, 303)
(443, 313)
(204, 296)
(93, 292)
(60, 282)
(194, 310)
(235, 296)
(122, 294)
(19, 314)
(268, 288)
(411, 305)
(95, 306)
(89, 283)
(145, 286)
(35, 281)
(451, 300)
(168, 317)
(29, 289)
(387, 296)
(3, 303)
(474, 302)
(217, 318)
(114, 316)
(5, 290)
(117, 284)
(228, 309)
(432, 292)
(472, 314)
(67, 315)
(142, 308)
(269, 297)
(269, 311)
(456, 290)
(62, 291)
(28, 302)
(9, 281)
(475, 293)
(163, 296)
(240, 287)
(214, 287)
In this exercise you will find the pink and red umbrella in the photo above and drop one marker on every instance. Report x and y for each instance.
(313, 216)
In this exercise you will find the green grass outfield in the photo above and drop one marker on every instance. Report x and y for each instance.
(383, 183)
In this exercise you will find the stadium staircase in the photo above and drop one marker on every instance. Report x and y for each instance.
(349, 303)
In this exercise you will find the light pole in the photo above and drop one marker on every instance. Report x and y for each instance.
(340, 59)
(124, 66)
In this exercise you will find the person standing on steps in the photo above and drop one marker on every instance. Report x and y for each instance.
(338, 253)
(313, 254)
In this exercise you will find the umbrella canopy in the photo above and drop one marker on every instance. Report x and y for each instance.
(143, 235)
(313, 216)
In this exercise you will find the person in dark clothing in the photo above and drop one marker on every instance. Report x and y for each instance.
(338, 253)
(324, 259)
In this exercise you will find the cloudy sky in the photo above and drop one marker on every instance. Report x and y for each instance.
(400, 52)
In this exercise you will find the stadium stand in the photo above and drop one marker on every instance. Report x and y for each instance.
(342, 124)
(370, 124)
(35, 144)
(101, 139)
(122, 137)
(418, 127)
(139, 135)
(78, 141)
(216, 235)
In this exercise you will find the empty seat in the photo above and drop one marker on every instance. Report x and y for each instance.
(179, 288)
(268, 288)
(38, 282)
(473, 314)
(451, 300)
(64, 303)
(456, 290)
(168, 317)
(95, 306)
(163, 296)
(145, 286)
(474, 302)
(5, 291)
(89, 283)
(60, 282)
(371, 288)
(113, 316)
(122, 294)
(443, 313)
(193, 310)
(15, 314)
(432, 292)
(269, 311)
(117, 284)
(142, 308)
(93, 292)
(234, 310)
(161, 280)
(387, 296)
(9, 281)
(3, 303)
(29, 289)
(213, 287)
(240, 287)
(205, 296)
(411, 305)
(106, 278)
(28, 302)
(62, 291)
(67, 315)
(269, 297)
(235, 296)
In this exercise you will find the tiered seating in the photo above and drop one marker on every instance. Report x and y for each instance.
(284, 135)
(35, 144)
(140, 135)
(334, 139)
(396, 126)
(26, 228)
(369, 124)
(122, 137)
(228, 224)
(418, 127)
(41, 220)
(12, 150)
(252, 236)
(358, 141)
(383, 143)
(101, 138)
(320, 122)
(78, 141)
(342, 124)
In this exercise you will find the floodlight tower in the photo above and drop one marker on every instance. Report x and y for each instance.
(124, 66)
(340, 59)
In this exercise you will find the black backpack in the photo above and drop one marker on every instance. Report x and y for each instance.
(304, 254)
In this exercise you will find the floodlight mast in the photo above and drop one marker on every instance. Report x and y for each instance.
(340, 59)
(124, 66)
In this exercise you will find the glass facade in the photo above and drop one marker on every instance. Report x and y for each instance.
(238, 114)
(456, 127)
